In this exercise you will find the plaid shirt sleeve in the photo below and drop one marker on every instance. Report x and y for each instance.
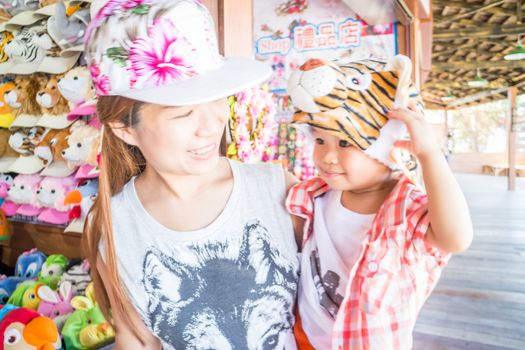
(300, 201)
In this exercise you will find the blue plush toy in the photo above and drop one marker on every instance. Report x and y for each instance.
(29, 264)
(7, 287)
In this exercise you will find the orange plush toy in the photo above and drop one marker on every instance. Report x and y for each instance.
(50, 151)
(55, 107)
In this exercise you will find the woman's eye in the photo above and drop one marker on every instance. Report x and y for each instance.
(344, 143)
(319, 141)
(183, 115)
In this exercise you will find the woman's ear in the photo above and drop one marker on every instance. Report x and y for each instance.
(125, 133)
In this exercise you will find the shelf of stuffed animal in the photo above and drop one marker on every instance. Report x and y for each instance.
(46, 238)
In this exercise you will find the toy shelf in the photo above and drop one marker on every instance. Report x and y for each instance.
(48, 239)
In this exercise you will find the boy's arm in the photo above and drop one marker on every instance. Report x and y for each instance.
(450, 224)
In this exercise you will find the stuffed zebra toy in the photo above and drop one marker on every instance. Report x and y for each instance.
(29, 45)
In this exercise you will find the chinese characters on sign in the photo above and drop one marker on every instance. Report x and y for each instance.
(309, 37)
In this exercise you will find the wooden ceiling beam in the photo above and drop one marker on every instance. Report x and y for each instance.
(442, 66)
(479, 32)
(468, 13)
(467, 6)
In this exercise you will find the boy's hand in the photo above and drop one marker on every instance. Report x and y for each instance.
(422, 142)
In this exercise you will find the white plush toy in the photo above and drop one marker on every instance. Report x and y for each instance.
(83, 145)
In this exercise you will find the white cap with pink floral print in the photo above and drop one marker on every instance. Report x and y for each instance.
(163, 52)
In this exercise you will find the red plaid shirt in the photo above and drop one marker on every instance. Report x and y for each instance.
(394, 274)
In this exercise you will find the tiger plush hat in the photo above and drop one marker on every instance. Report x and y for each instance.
(351, 101)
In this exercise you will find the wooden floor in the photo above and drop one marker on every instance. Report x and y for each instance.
(479, 303)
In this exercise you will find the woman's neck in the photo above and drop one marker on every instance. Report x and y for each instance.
(182, 186)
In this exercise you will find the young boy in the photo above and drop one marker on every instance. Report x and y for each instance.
(374, 243)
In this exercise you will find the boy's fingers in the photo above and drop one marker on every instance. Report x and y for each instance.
(402, 144)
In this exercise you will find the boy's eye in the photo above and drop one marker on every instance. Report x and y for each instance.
(319, 141)
(344, 143)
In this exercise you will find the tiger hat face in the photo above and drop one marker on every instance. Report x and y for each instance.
(348, 100)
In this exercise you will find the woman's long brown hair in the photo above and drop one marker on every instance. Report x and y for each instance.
(119, 162)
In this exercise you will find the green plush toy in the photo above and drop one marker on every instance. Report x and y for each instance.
(86, 328)
(52, 270)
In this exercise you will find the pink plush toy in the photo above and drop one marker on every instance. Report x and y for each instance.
(23, 192)
(8, 206)
(50, 195)
(56, 305)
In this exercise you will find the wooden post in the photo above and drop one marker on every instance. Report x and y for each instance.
(512, 94)
(236, 27)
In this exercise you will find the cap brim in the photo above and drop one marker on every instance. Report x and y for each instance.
(71, 51)
(22, 19)
(58, 169)
(5, 68)
(24, 121)
(235, 75)
(76, 225)
(83, 109)
(27, 165)
(58, 65)
(46, 11)
(54, 121)
(87, 171)
(5, 163)
(25, 68)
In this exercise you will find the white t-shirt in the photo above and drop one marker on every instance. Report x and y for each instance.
(230, 285)
(327, 259)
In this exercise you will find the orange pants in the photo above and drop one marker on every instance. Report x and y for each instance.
(300, 336)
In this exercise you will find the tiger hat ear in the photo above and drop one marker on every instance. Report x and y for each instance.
(317, 86)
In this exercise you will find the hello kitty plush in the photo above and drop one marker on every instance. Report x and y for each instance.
(23, 192)
(50, 195)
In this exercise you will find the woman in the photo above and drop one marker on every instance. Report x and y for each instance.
(190, 250)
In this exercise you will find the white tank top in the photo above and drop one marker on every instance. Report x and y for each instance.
(327, 259)
(230, 285)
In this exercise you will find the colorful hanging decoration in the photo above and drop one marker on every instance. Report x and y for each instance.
(251, 122)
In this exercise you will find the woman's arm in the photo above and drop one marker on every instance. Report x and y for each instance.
(450, 224)
(298, 223)
(125, 338)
